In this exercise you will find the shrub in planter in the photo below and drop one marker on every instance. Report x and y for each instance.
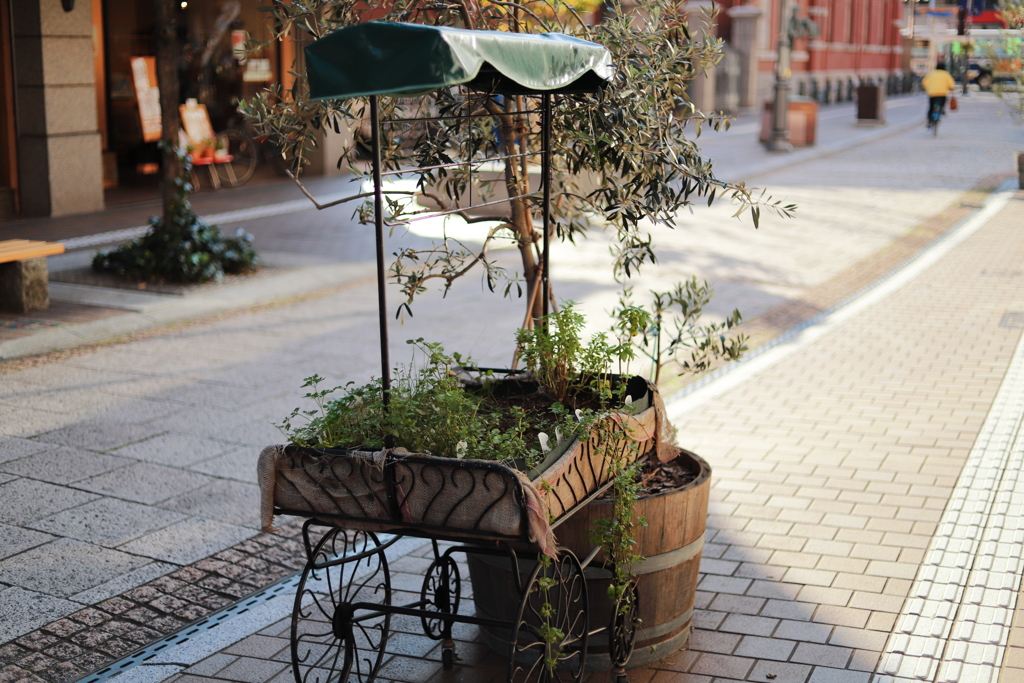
(187, 251)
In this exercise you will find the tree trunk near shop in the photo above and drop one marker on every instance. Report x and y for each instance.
(166, 24)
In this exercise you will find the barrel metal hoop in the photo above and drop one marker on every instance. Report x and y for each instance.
(672, 558)
(669, 626)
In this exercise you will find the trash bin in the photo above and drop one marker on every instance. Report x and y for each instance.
(870, 105)
(802, 121)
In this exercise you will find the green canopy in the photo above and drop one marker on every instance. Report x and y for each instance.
(390, 58)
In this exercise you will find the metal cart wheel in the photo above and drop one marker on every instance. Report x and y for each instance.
(442, 593)
(622, 632)
(244, 155)
(338, 632)
(549, 636)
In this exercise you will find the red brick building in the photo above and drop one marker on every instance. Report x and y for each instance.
(856, 41)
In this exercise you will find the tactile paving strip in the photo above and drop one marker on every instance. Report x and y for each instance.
(956, 620)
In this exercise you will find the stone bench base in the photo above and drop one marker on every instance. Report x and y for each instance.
(24, 285)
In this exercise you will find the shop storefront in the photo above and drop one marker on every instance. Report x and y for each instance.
(79, 102)
(213, 69)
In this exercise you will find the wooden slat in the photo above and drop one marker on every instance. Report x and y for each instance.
(22, 250)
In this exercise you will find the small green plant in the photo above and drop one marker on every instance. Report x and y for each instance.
(550, 635)
(563, 363)
(672, 331)
(188, 250)
(429, 412)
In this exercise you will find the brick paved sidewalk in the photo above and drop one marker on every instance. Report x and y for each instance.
(832, 473)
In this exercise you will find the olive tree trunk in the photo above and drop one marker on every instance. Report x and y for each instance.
(166, 24)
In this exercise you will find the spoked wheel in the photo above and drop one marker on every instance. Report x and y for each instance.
(338, 634)
(549, 637)
(441, 593)
(244, 156)
(622, 631)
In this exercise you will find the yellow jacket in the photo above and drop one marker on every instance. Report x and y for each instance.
(938, 83)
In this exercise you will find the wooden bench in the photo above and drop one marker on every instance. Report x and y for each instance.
(24, 276)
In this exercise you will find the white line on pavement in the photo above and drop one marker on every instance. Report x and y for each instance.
(738, 372)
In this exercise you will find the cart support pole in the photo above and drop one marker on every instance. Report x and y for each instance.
(378, 224)
(546, 172)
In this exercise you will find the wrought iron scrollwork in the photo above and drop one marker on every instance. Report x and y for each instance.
(441, 593)
(549, 636)
(339, 631)
(622, 631)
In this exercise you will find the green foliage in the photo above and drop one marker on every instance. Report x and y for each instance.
(616, 534)
(551, 636)
(672, 330)
(188, 250)
(429, 412)
(635, 141)
(563, 364)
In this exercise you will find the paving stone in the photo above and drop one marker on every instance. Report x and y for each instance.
(26, 500)
(187, 541)
(122, 582)
(14, 540)
(144, 483)
(25, 610)
(62, 465)
(174, 449)
(765, 648)
(736, 604)
(238, 464)
(12, 448)
(11, 653)
(250, 670)
(232, 502)
(108, 522)
(779, 672)
(825, 675)
(712, 641)
(44, 569)
(98, 436)
(64, 651)
(723, 665)
(822, 655)
(15, 674)
(409, 670)
(36, 642)
(803, 631)
(64, 628)
(749, 625)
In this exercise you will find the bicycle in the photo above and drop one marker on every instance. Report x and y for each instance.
(934, 115)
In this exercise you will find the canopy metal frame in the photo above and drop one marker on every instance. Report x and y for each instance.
(380, 221)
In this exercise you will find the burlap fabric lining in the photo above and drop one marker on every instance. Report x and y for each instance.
(347, 488)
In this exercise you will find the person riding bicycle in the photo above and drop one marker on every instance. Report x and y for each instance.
(937, 84)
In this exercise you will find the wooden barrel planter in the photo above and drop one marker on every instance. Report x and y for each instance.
(671, 544)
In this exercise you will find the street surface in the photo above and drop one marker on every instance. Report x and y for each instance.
(127, 472)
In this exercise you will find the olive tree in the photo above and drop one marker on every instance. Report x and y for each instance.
(625, 159)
